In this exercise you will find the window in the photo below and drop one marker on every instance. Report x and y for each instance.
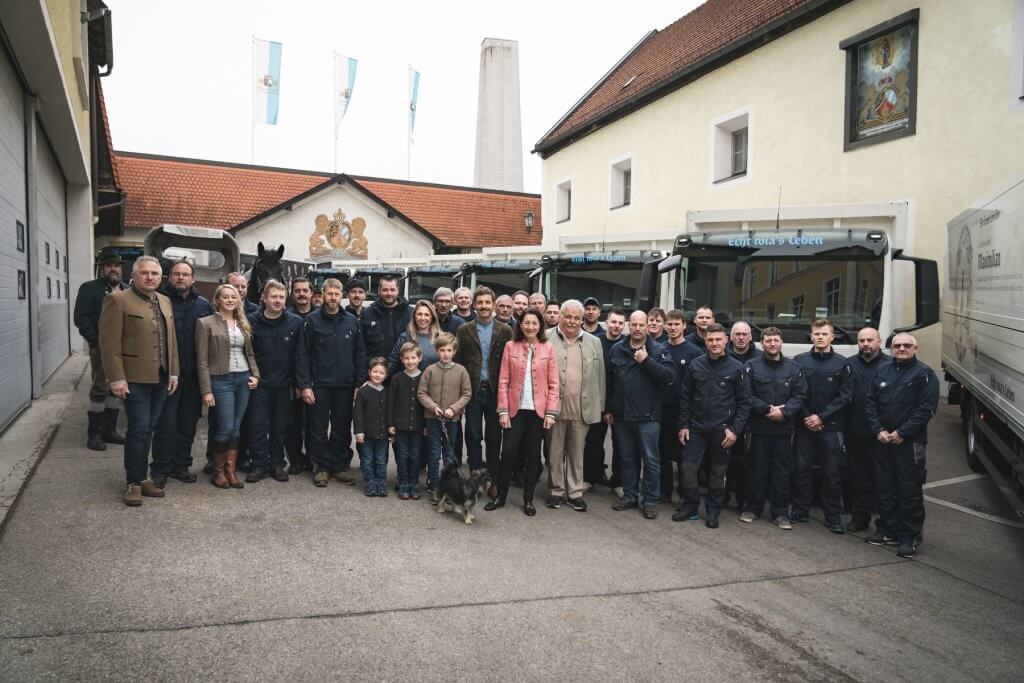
(832, 295)
(621, 183)
(19, 229)
(56, 258)
(796, 306)
(47, 253)
(49, 288)
(65, 263)
(750, 283)
(730, 144)
(773, 273)
(563, 201)
(861, 300)
(769, 310)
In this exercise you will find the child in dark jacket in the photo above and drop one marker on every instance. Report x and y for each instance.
(370, 424)
(405, 420)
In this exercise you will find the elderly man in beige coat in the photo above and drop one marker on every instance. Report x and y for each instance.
(582, 385)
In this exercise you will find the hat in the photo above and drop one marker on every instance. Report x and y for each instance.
(591, 301)
(354, 283)
(108, 258)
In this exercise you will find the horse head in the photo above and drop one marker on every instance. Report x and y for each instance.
(267, 266)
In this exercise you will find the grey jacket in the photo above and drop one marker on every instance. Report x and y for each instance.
(593, 372)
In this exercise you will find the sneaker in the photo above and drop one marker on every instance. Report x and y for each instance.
(344, 477)
(554, 502)
(650, 512)
(321, 478)
(747, 517)
(617, 491)
(712, 521)
(435, 497)
(624, 504)
(881, 539)
(684, 516)
(782, 522)
(578, 504)
(907, 550)
(133, 495)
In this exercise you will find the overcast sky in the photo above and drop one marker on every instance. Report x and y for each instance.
(181, 79)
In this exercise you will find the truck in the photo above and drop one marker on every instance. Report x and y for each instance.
(983, 334)
(786, 266)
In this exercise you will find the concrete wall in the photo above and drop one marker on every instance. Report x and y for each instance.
(388, 238)
(970, 130)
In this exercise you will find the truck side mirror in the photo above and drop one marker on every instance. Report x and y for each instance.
(648, 289)
(926, 299)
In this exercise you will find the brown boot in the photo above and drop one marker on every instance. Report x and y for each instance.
(220, 456)
(151, 490)
(229, 465)
(133, 495)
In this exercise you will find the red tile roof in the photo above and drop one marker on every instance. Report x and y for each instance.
(102, 101)
(703, 33)
(225, 195)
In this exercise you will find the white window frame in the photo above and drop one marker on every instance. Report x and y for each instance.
(563, 201)
(721, 146)
(803, 304)
(617, 168)
(838, 280)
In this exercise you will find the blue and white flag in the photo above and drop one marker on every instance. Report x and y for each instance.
(266, 81)
(344, 82)
(414, 91)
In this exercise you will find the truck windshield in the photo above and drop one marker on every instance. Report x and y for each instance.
(423, 285)
(787, 293)
(614, 286)
(502, 282)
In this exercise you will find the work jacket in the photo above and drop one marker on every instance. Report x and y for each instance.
(331, 352)
(384, 325)
(828, 388)
(635, 389)
(89, 305)
(903, 398)
(274, 342)
(775, 383)
(187, 310)
(862, 374)
(682, 354)
(715, 395)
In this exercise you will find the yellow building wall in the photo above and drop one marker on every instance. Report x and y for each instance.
(969, 134)
(66, 24)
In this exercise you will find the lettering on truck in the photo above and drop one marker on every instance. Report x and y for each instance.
(777, 240)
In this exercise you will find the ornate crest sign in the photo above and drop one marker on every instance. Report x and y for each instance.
(338, 237)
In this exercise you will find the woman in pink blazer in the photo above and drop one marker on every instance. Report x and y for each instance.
(527, 405)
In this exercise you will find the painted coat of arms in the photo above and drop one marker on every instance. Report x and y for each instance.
(883, 83)
(338, 237)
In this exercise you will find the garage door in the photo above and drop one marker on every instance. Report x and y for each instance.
(52, 257)
(15, 364)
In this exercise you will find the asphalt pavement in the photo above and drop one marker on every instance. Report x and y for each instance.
(288, 581)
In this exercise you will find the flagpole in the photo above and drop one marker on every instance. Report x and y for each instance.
(334, 102)
(252, 102)
(408, 136)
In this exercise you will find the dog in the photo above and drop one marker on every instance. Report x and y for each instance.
(458, 493)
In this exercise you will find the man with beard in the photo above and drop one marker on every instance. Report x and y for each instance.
(176, 428)
(552, 314)
(388, 316)
(741, 342)
(444, 300)
(701, 319)
(520, 302)
(298, 459)
(592, 316)
(355, 290)
(103, 407)
(860, 441)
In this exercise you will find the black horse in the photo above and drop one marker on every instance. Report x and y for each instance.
(266, 267)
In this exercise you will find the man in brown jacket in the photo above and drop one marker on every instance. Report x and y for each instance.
(140, 358)
(481, 345)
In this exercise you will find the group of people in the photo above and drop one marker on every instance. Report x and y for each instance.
(512, 379)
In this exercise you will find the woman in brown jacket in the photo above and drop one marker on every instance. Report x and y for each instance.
(227, 373)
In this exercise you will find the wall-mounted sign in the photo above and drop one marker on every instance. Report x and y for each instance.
(338, 237)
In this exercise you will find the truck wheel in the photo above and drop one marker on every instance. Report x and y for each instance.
(972, 437)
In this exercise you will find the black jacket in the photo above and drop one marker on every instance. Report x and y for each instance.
(828, 388)
(451, 323)
(274, 343)
(775, 383)
(404, 410)
(862, 374)
(903, 398)
(697, 341)
(385, 325)
(251, 307)
(187, 310)
(291, 309)
(752, 353)
(371, 333)
(634, 389)
(370, 413)
(88, 305)
(331, 352)
(681, 354)
(715, 395)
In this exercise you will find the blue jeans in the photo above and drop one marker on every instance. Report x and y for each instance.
(440, 447)
(638, 443)
(407, 457)
(481, 425)
(231, 393)
(142, 406)
(373, 460)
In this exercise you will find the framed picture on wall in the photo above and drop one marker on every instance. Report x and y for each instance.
(881, 82)
(20, 235)
(21, 284)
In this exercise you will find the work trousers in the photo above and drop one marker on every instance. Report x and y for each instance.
(295, 440)
(176, 428)
(593, 452)
(142, 406)
(332, 409)
(267, 421)
(669, 450)
(767, 466)
(521, 446)
(565, 457)
(827, 448)
(900, 472)
(860, 450)
(718, 459)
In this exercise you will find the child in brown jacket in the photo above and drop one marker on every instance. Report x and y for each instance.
(444, 392)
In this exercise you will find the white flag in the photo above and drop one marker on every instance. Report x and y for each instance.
(266, 81)
(344, 83)
(414, 91)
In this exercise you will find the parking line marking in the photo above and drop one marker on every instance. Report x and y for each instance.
(974, 513)
(954, 480)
